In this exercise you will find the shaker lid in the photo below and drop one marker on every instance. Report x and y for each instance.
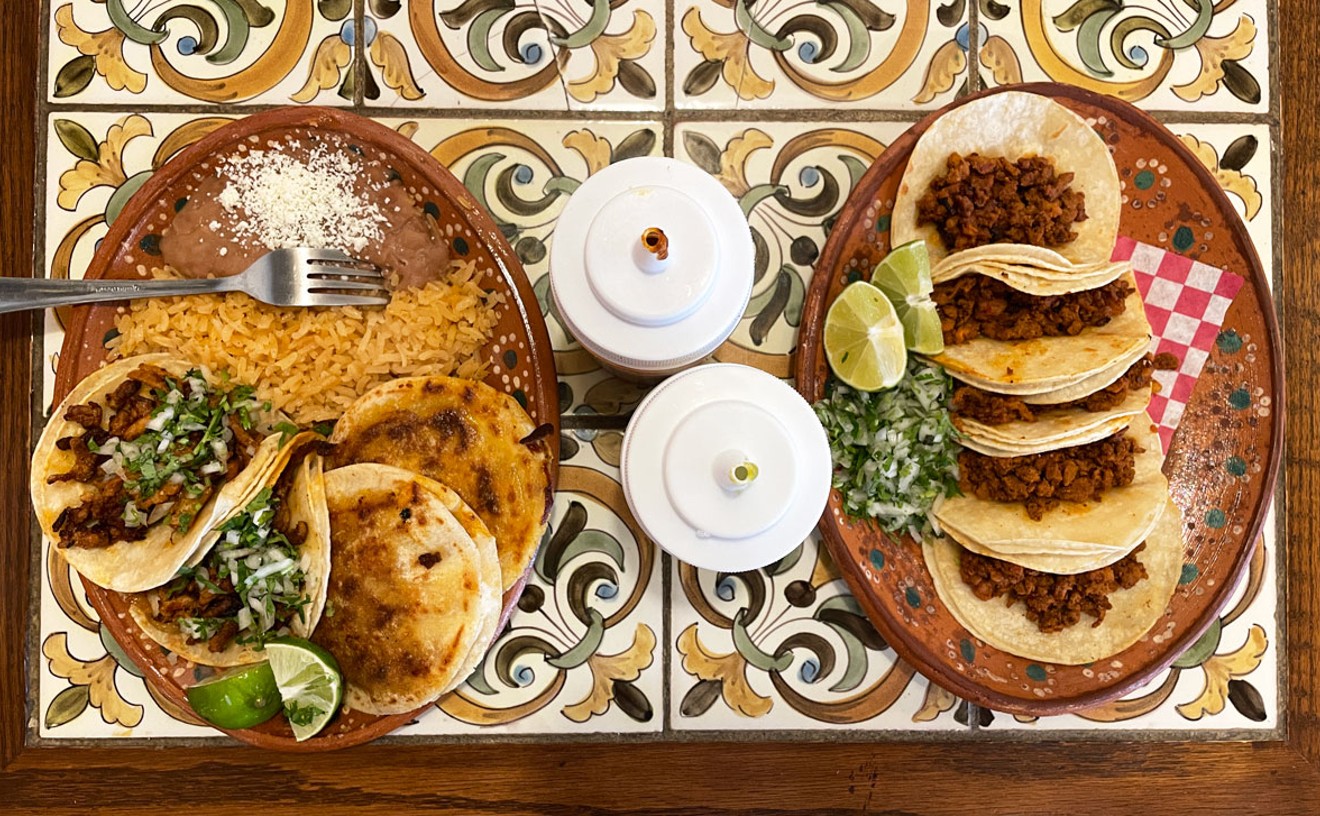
(726, 467)
(651, 265)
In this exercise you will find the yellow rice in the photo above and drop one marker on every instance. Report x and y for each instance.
(313, 363)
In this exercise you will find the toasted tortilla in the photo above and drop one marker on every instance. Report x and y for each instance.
(406, 588)
(468, 436)
(1034, 283)
(1015, 124)
(1052, 429)
(125, 566)
(1117, 522)
(306, 504)
(1048, 364)
(1135, 611)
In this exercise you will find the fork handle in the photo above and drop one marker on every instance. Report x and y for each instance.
(19, 294)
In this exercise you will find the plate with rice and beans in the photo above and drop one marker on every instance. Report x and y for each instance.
(301, 580)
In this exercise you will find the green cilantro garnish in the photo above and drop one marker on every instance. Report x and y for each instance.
(895, 451)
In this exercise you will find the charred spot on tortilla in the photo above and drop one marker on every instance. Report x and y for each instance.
(428, 560)
(405, 513)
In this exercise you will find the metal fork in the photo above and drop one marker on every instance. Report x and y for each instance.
(298, 276)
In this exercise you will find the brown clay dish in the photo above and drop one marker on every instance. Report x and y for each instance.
(1222, 464)
(132, 238)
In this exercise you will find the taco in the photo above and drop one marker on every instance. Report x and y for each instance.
(262, 571)
(414, 591)
(1103, 496)
(1047, 344)
(1011, 169)
(1042, 428)
(468, 436)
(137, 462)
(1066, 619)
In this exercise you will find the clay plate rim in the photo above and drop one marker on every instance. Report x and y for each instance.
(811, 384)
(78, 348)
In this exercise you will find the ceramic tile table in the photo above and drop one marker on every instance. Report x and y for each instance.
(786, 104)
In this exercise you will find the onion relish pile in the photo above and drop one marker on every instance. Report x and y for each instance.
(895, 451)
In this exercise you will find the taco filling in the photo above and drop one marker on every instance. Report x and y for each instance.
(990, 408)
(155, 452)
(1041, 481)
(1052, 602)
(251, 586)
(983, 200)
(975, 306)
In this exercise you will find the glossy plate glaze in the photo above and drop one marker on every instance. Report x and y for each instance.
(1222, 464)
(519, 352)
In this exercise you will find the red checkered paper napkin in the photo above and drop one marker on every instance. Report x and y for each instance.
(1185, 303)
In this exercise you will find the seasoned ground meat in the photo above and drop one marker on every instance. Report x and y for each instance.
(1053, 602)
(1167, 361)
(990, 200)
(1041, 480)
(996, 409)
(973, 306)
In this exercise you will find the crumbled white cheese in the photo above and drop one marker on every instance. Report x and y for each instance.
(289, 200)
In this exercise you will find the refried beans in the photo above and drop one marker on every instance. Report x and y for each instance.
(990, 200)
(1041, 480)
(317, 190)
(1053, 602)
(975, 306)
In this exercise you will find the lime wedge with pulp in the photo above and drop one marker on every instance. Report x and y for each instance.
(864, 338)
(240, 698)
(904, 277)
(309, 683)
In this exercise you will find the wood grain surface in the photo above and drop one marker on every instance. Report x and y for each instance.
(967, 776)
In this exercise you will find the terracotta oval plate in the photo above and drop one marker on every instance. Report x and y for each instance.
(1233, 415)
(524, 368)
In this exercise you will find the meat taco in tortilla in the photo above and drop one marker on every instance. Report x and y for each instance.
(138, 460)
(1061, 618)
(261, 572)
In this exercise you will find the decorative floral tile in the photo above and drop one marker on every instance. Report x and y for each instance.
(791, 179)
(616, 52)
(1161, 55)
(491, 54)
(132, 52)
(864, 54)
(523, 173)
(1228, 680)
(1239, 157)
(788, 648)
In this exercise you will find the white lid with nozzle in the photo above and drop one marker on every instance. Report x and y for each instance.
(726, 467)
(651, 266)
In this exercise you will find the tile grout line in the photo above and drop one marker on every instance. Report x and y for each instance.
(974, 82)
(666, 656)
(358, 66)
(667, 122)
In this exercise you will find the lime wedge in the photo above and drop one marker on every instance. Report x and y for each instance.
(904, 277)
(240, 698)
(309, 683)
(864, 339)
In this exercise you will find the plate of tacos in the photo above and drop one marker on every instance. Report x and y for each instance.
(304, 527)
(1080, 548)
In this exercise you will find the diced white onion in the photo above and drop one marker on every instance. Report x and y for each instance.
(212, 467)
(245, 618)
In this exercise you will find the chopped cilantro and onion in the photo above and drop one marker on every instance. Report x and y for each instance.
(895, 451)
(253, 560)
(187, 443)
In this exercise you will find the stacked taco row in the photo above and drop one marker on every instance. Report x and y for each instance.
(1064, 545)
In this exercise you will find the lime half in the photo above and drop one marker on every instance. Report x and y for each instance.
(309, 683)
(864, 338)
(904, 277)
(240, 698)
